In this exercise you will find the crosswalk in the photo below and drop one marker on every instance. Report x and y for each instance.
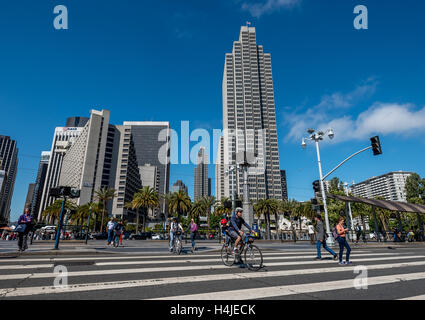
(286, 275)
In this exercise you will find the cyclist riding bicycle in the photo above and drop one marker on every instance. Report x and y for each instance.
(176, 230)
(235, 231)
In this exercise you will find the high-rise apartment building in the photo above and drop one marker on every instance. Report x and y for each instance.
(201, 184)
(391, 186)
(152, 141)
(39, 182)
(83, 164)
(63, 139)
(8, 171)
(249, 120)
(127, 177)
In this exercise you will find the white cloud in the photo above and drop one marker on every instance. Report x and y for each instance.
(380, 118)
(331, 104)
(257, 9)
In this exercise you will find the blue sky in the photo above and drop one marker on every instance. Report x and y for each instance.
(163, 60)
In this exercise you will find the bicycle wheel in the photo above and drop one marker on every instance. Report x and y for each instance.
(253, 258)
(227, 256)
(179, 246)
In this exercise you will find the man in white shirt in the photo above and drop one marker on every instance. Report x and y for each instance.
(111, 226)
(311, 233)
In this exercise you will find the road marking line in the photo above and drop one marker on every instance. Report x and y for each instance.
(17, 292)
(421, 297)
(172, 269)
(279, 291)
(183, 261)
(165, 256)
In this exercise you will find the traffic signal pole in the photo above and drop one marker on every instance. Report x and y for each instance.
(58, 232)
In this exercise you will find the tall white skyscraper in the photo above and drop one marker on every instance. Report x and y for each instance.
(83, 163)
(249, 120)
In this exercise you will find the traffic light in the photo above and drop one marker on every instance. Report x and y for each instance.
(376, 146)
(238, 203)
(58, 192)
(75, 193)
(316, 186)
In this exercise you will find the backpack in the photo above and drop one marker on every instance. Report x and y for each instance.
(335, 233)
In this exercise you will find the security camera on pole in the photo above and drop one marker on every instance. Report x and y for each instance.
(316, 137)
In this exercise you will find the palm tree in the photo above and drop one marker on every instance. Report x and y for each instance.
(208, 202)
(84, 211)
(52, 212)
(180, 203)
(103, 195)
(220, 207)
(147, 198)
(266, 207)
(197, 209)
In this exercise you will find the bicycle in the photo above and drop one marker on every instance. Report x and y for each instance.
(177, 243)
(253, 257)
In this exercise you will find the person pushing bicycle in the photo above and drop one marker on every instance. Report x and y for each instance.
(235, 231)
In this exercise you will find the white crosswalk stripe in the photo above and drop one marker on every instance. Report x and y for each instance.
(154, 272)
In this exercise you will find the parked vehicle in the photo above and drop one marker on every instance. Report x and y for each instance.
(141, 236)
(157, 237)
(100, 236)
(48, 230)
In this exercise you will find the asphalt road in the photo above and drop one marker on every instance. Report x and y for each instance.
(155, 274)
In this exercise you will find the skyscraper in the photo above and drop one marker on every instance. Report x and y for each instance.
(30, 195)
(8, 171)
(63, 139)
(39, 182)
(201, 185)
(127, 177)
(83, 163)
(284, 185)
(152, 141)
(220, 171)
(249, 119)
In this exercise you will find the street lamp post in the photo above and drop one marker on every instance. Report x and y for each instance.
(231, 171)
(316, 137)
(350, 212)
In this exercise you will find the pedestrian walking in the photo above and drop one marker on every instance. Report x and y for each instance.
(321, 239)
(311, 233)
(341, 237)
(193, 227)
(24, 227)
(111, 227)
(358, 233)
(118, 231)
